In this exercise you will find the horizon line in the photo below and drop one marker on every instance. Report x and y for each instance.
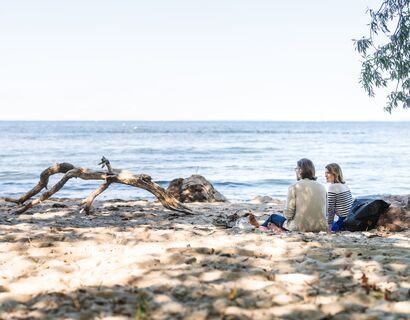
(193, 120)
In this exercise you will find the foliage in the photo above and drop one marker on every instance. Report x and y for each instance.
(386, 53)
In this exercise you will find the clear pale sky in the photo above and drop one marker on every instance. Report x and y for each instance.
(184, 60)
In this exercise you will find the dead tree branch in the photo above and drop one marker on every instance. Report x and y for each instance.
(142, 181)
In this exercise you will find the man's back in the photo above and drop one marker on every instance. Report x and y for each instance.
(306, 207)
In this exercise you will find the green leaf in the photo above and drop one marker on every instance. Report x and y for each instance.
(386, 52)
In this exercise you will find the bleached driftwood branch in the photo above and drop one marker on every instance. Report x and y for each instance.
(142, 181)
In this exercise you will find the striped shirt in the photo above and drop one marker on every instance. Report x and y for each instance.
(339, 201)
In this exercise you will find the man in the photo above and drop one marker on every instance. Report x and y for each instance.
(306, 204)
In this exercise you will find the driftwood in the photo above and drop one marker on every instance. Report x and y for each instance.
(110, 176)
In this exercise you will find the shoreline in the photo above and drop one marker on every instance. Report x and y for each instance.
(135, 258)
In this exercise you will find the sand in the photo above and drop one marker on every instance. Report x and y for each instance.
(137, 260)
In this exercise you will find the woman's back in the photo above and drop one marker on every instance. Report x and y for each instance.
(340, 200)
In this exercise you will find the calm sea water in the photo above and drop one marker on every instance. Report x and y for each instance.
(241, 159)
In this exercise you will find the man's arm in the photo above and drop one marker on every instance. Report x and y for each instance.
(290, 208)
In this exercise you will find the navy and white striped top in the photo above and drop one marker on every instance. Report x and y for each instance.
(339, 201)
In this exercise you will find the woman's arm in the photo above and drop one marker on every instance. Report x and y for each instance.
(331, 207)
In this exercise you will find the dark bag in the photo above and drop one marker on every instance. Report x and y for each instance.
(365, 213)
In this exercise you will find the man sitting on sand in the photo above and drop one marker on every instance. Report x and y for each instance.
(305, 207)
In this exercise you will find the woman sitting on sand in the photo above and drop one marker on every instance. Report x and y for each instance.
(339, 197)
(305, 207)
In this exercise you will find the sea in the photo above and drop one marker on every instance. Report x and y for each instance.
(241, 159)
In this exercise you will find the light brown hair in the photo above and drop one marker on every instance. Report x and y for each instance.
(335, 169)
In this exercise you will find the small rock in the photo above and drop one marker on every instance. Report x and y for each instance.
(190, 260)
(59, 205)
(261, 199)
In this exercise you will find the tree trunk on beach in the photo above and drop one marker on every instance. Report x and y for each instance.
(142, 181)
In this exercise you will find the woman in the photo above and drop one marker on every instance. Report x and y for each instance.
(306, 204)
(339, 197)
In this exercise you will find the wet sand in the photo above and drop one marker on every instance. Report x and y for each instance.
(137, 260)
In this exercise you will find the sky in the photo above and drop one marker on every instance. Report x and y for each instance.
(185, 60)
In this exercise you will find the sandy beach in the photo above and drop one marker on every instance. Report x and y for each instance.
(137, 260)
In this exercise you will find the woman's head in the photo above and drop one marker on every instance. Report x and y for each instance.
(333, 173)
(305, 169)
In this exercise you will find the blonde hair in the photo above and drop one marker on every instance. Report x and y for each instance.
(335, 169)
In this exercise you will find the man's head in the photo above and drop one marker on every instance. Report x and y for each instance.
(305, 169)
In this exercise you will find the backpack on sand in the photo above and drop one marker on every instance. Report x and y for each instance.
(365, 213)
